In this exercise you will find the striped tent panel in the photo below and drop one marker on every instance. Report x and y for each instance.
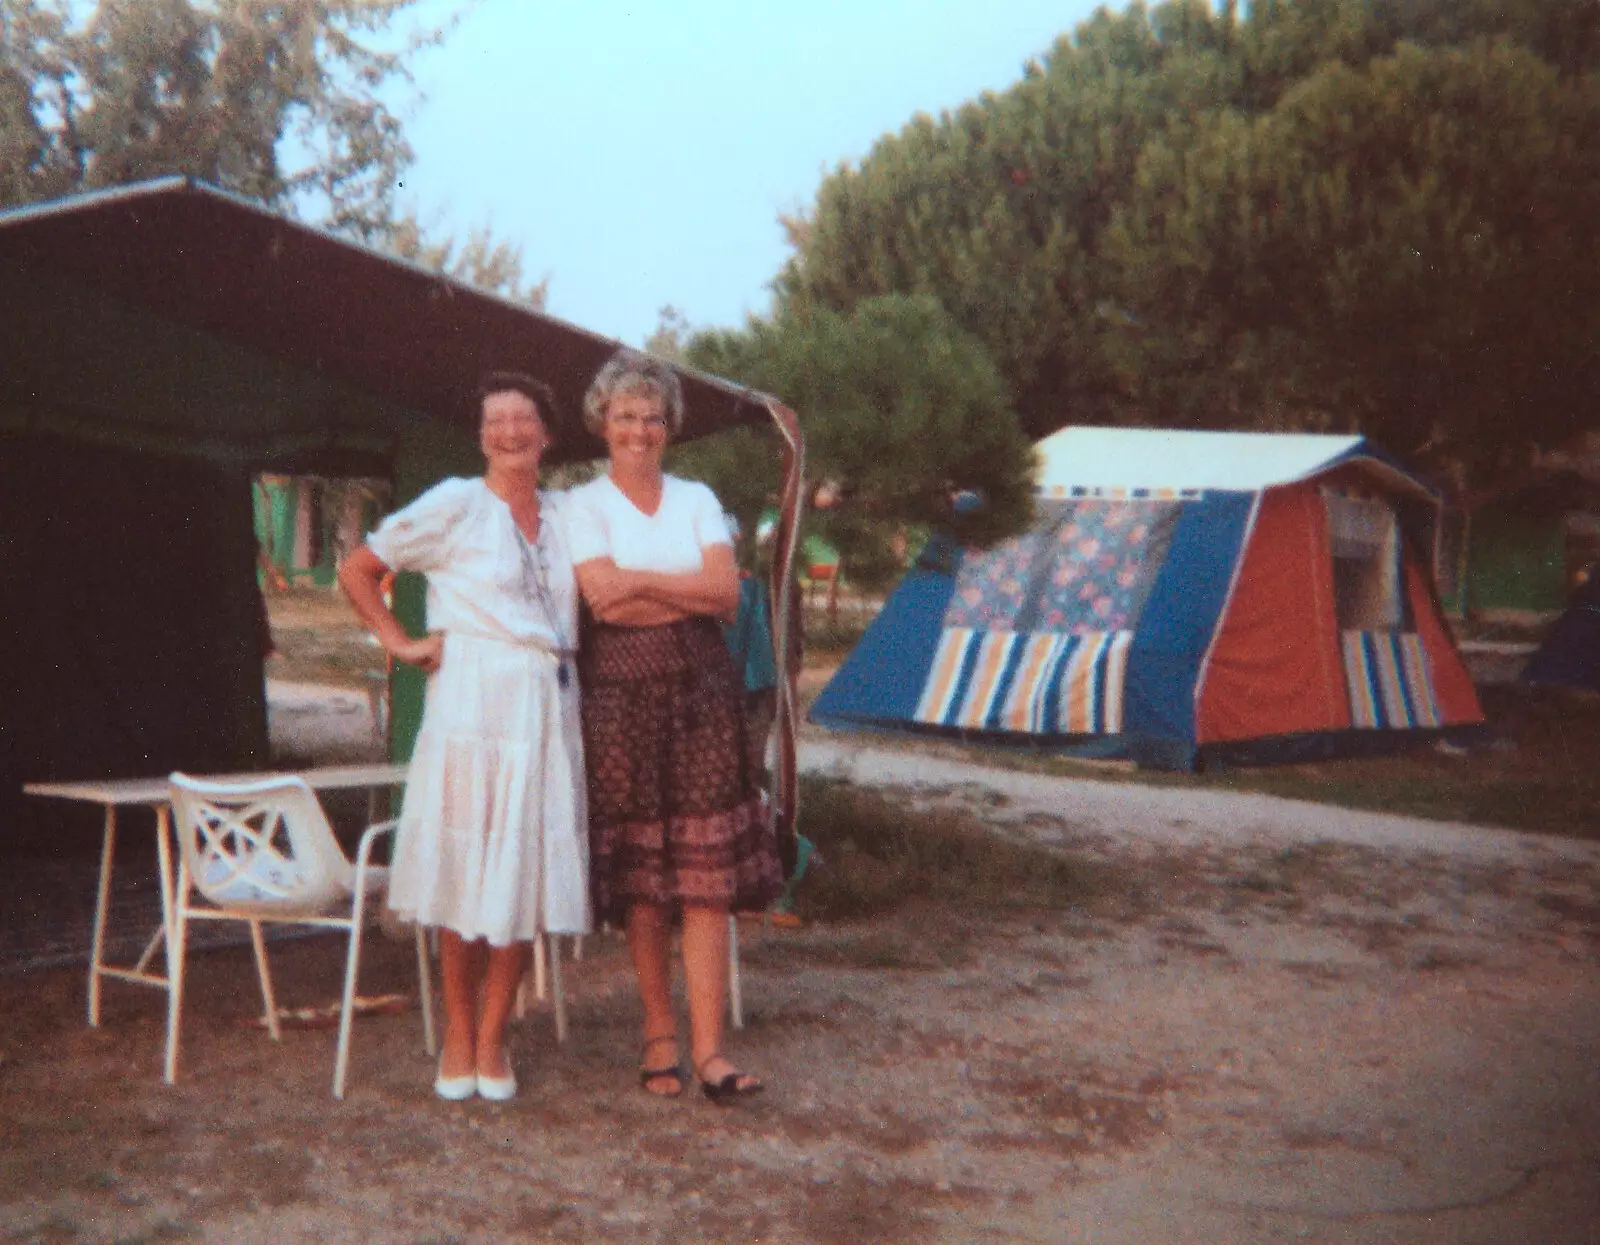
(1418, 681)
(1386, 674)
(950, 662)
(1084, 695)
(1040, 683)
(1114, 680)
(1025, 696)
(990, 671)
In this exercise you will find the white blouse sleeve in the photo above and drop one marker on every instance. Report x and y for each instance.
(583, 523)
(710, 526)
(419, 537)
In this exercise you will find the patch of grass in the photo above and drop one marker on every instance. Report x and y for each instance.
(160, 1230)
(1433, 959)
(49, 1231)
(879, 855)
(1537, 773)
(871, 949)
(1260, 882)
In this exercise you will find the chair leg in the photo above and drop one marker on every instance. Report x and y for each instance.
(735, 989)
(540, 988)
(557, 993)
(430, 1041)
(268, 1000)
(341, 1061)
(177, 945)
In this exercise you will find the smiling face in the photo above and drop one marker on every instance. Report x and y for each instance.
(510, 431)
(636, 429)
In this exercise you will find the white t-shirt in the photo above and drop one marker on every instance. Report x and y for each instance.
(481, 579)
(600, 522)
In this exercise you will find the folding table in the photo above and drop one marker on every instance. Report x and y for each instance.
(152, 793)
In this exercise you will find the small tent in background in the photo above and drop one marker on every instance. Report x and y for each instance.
(1181, 596)
(1569, 655)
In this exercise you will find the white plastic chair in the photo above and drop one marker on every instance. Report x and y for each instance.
(260, 851)
(546, 977)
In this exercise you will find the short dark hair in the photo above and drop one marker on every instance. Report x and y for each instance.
(536, 391)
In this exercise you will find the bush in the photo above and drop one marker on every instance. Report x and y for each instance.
(878, 855)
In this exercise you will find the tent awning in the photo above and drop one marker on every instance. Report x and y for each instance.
(209, 261)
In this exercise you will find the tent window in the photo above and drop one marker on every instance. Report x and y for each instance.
(1365, 543)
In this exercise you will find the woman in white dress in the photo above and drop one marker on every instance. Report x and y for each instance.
(492, 843)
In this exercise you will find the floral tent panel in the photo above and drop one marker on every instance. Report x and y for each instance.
(1105, 556)
(992, 588)
(1087, 567)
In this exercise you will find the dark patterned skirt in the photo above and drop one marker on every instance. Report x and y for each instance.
(675, 810)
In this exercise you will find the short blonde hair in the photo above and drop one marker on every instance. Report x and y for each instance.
(632, 371)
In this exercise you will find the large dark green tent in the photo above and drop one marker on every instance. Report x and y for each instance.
(159, 345)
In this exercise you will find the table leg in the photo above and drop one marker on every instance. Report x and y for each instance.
(102, 902)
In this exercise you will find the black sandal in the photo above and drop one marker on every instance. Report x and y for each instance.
(729, 1088)
(649, 1076)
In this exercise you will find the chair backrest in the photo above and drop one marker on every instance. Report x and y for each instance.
(262, 845)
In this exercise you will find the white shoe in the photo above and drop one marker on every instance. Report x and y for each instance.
(498, 1088)
(456, 1088)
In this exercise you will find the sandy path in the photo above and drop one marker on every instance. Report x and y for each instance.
(1371, 1028)
(1178, 816)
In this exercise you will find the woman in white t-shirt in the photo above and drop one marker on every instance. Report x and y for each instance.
(676, 822)
(492, 845)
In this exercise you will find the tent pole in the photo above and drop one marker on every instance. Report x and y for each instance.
(791, 504)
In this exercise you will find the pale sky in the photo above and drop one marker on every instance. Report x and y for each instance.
(641, 152)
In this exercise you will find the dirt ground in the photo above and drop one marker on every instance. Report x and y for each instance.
(1264, 1021)
(1248, 1031)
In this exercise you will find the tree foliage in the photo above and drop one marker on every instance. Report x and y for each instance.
(1406, 247)
(279, 100)
(1307, 213)
(901, 407)
(283, 101)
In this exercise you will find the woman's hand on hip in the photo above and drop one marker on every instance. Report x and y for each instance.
(425, 654)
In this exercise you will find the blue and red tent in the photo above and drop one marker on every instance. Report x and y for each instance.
(1181, 596)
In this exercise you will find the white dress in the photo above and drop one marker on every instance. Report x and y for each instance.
(493, 834)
